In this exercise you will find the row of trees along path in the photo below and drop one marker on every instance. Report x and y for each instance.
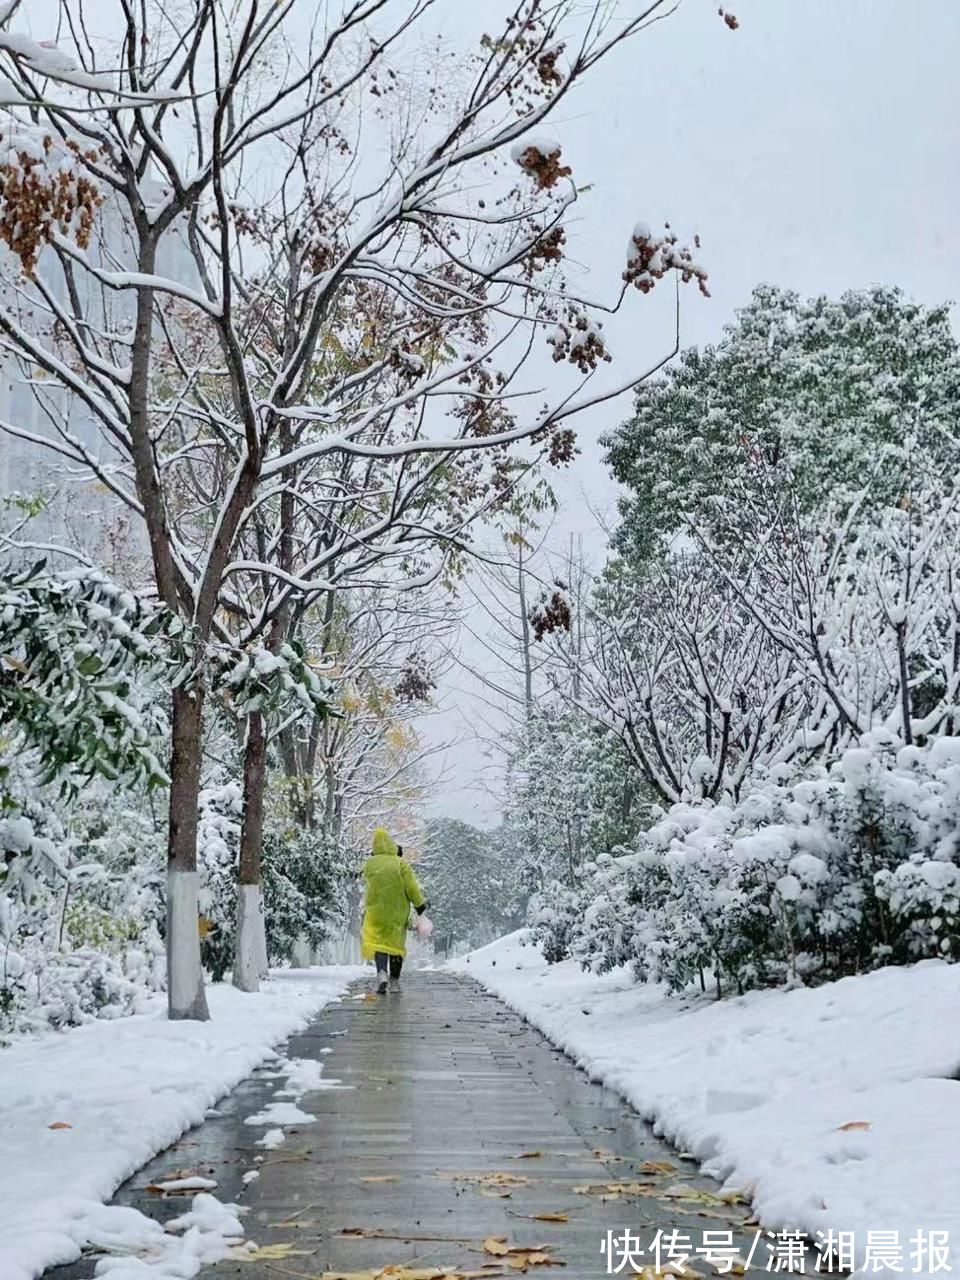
(303, 338)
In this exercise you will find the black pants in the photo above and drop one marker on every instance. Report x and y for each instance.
(396, 963)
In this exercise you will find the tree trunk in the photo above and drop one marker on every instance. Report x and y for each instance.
(525, 637)
(250, 958)
(186, 998)
(905, 708)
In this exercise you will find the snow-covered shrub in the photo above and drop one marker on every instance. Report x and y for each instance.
(553, 915)
(79, 899)
(304, 882)
(44, 989)
(218, 848)
(846, 869)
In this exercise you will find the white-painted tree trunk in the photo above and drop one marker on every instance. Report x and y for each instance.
(250, 959)
(263, 961)
(185, 996)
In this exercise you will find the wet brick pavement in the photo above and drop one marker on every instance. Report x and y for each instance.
(440, 1080)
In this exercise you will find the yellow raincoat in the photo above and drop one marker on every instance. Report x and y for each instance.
(391, 890)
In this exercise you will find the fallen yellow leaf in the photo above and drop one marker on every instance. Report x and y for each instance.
(59, 1124)
(376, 1233)
(492, 1184)
(394, 1272)
(268, 1253)
(519, 1257)
(497, 1245)
(533, 1258)
(613, 1190)
(670, 1272)
(855, 1124)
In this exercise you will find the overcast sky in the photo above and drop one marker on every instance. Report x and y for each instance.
(817, 147)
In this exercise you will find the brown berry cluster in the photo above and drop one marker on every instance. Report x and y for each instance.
(551, 613)
(651, 257)
(543, 165)
(415, 682)
(546, 251)
(579, 341)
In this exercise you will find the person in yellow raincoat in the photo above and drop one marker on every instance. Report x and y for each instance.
(391, 890)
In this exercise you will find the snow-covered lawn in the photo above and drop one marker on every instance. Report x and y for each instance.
(760, 1088)
(126, 1089)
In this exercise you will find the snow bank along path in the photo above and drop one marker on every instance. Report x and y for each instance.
(126, 1089)
(760, 1088)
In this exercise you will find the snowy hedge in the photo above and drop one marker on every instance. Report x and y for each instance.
(79, 902)
(853, 867)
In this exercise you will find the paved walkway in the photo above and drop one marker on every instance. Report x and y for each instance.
(451, 1102)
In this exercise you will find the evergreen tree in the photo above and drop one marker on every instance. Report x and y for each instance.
(827, 397)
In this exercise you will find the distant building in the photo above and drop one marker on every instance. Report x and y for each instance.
(79, 510)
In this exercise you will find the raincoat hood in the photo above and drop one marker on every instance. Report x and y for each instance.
(383, 842)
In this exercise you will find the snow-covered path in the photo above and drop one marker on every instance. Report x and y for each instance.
(833, 1108)
(83, 1110)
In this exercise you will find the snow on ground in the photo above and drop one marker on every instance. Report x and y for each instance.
(760, 1088)
(81, 1111)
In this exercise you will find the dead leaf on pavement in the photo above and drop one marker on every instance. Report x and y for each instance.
(393, 1273)
(679, 1191)
(500, 1185)
(497, 1245)
(728, 1215)
(541, 1217)
(520, 1257)
(381, 1177)
(397, 1271)
(523, 1261)
(376, 1233)
(269, 1253)
(657, 1166)
(59, 1124)
(863, 1125)
(614, 1190)
(528, 1155)
(669, 1273)
(607, 1157)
